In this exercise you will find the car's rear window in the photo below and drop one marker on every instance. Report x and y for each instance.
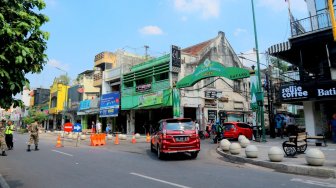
(180, 126)
(228, 126)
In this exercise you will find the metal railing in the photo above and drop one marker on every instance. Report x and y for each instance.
(310, 24)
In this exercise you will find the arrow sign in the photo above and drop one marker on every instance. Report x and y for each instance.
(77, 128)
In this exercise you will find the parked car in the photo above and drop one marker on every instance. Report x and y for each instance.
(175, 136)
(232, 130)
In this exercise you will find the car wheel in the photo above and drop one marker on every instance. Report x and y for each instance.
(152, 147)
(193, 155)
(160, 155)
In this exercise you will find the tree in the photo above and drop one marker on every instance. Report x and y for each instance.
(22, 48)
(280, 64)
(32, 114)
(65, 79)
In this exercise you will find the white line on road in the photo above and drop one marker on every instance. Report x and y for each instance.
(62, 153)
(312, 182)
(162, 181)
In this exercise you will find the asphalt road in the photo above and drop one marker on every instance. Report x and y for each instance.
(129, 166)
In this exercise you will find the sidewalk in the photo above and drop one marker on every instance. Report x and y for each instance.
(295, 165)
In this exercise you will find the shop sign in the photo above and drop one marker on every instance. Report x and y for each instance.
(151, 99)
(210, 94)
(144, 87)
(212, 115)
(109, 105)
(296, 92)
(83, 105)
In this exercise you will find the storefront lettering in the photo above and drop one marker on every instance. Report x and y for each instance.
(326, 92)
(294, 92)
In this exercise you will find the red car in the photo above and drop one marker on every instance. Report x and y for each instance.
(176, 136)
(232, 130)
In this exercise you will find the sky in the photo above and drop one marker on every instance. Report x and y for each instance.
(80, 29)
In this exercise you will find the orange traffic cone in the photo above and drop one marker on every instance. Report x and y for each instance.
(133, 139)
(116, 141)
(59, 143)
(147, 138)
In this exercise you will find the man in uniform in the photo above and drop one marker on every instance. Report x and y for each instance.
(2, 137)
(9, 134)
(33, 130)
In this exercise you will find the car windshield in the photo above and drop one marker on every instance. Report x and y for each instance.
(180, 126)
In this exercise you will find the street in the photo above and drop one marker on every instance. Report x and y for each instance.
(133, 165)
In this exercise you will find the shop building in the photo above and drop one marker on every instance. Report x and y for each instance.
(57, 102)
(312, 50)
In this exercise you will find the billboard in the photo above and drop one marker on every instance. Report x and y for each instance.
(109, 104)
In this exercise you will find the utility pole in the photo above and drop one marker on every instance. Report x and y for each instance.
(261, 107)
(146, 51)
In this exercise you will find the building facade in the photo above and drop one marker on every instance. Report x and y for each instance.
(57, 102)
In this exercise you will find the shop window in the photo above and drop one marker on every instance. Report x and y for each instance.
(128, 84)
(162, 76)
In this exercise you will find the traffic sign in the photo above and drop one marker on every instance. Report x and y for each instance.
(68, 127)
(77, 128)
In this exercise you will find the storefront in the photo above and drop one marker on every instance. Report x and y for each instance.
(318, 100)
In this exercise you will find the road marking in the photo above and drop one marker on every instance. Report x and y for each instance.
(62, 153)
(162, 181)
(312, 182)
(3, 182)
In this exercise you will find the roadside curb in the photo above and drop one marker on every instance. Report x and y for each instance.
(3, 183)
(281, 167)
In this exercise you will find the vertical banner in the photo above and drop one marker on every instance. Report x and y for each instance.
(176, 103)
(254, 90)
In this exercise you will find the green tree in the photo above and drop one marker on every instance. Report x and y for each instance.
(280, 64)
(22, 48)
(65, 79)
(32, 114)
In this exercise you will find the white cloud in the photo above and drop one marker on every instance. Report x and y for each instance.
(239, 31)
(280, 5)
(55, 63)
(207, 8)
(51, 2)
(151, 30)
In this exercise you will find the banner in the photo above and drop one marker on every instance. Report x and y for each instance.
(254, 90)
(151, 99)
(109, 105)
(176, 103)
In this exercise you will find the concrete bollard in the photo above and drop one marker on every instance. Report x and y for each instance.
(244, 142)
(275, 154)
(235, 148)
(315, 157)
(83, 137)
(70, 136)
(109, 137)
(240, 137)
(225, 144)
(137, 135)
(251, 151)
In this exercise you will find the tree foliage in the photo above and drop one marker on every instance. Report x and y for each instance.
(35, 114)
(280, 64)
(65, 79)
(22, 48)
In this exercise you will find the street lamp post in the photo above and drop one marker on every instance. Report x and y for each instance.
(260, 108)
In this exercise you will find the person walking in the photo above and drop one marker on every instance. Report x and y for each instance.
(2, 137)
(197, 126)
(33, 130)
(98, 127)
(9, 135)
(93, 127)
(332, 124)
(279, 125)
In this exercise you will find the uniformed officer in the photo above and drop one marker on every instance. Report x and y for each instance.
(33, 130)
(9, 134)
(2, 137)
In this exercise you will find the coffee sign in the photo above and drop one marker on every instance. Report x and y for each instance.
(294, 92)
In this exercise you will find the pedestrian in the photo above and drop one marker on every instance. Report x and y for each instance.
(9, 135)
(279, 125)
(93, 127)
(332, 124)
(197, 126)
(33, 130)
(108, 128)
(2, 137)
(98, 127)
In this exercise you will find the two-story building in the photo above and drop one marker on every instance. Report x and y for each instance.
(57, 102)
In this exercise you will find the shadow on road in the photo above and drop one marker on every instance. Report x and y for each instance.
(169, 157)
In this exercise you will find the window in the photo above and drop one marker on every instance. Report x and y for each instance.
(236, 86)
(128, 84)
(209, 82)
(53, 102)
(162, 76)
(147, 80)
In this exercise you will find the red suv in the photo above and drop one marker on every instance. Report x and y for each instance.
(176, 136)
(234, 129)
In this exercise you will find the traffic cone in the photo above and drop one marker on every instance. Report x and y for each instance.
(147, 138)
(116, 141)
(133, 139)
(59, 143)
